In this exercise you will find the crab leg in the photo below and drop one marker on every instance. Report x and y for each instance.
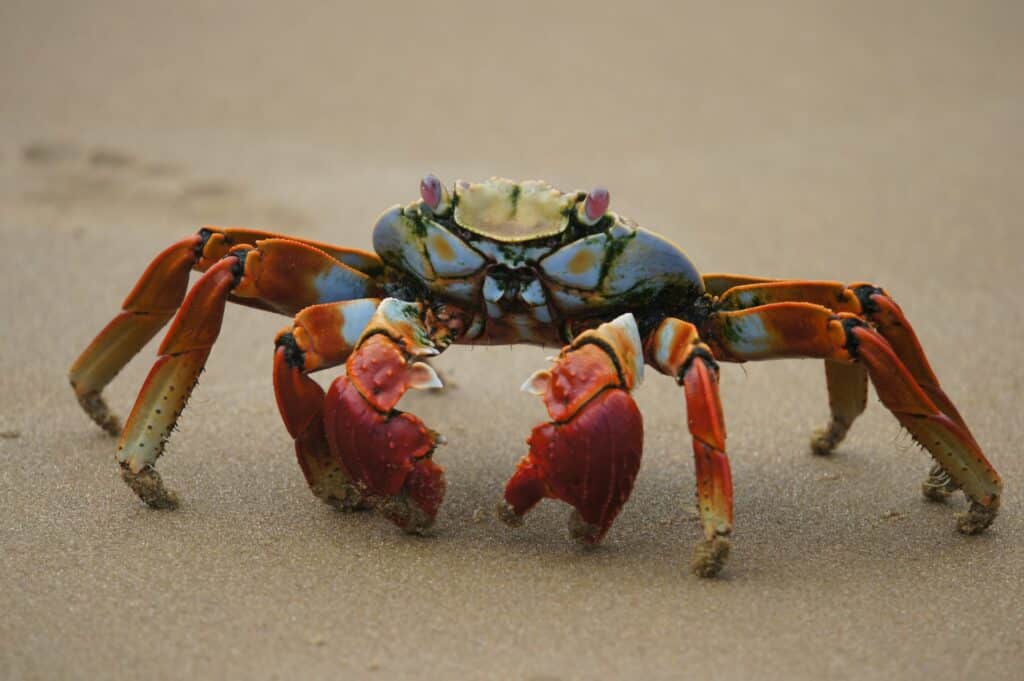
(882, 311)
(388, 453)
(147, 308)
(873, 304)
(589, 453)
(153, 301)
(807, 330)
(847, 399)
(321, 336)
(280, 275)
(719, 282)
(675, 349)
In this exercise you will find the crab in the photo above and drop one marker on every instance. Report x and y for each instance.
(501, 262)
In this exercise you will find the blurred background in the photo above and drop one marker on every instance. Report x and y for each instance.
(871, 141)
(783, 124)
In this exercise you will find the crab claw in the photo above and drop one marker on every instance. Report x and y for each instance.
(588, 455)
(590, 463)
(386, 452)
(594, 206)
(434, 194)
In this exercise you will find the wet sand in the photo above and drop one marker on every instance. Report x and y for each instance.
(853, 143)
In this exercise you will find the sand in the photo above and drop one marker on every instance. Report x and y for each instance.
(856, 142)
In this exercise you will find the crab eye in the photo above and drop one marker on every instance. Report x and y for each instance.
(435, 195)
(594, 206)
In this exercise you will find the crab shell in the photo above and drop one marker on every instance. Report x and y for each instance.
(527, 258)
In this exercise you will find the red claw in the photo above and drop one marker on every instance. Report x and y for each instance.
(588, 455)
(590, 462)
(386, 452)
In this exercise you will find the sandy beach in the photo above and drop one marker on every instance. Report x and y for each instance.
(850, 142)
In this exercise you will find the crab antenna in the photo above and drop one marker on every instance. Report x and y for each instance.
(594, 206)
(434, 194)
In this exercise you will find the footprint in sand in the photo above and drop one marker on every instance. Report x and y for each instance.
(158, 169)
(105, 184)
(110, 158)
(45, 153)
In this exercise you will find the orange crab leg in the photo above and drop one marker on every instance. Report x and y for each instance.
(386, 453)
(887, 316)
(153, 301)
(259, 273)
(806, 330)
(147, 308)
(166, 389)
(719, 282)
(222, 239)
(321, 336)
(868, 301)
(847, 398)
(589, 453)
(675, 349)
(831, 294)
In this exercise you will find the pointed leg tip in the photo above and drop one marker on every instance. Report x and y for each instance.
(584, 533)
(504, 512)
(976, 519)
(96, 408)
(149, 487)
(709, 557)
(112, 426)
(820, 446)
(825, 440)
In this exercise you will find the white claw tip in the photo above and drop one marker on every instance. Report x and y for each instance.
(423, 377)
(537, 384)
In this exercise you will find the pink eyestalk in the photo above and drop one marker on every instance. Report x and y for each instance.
(435, 195)
(594, 206)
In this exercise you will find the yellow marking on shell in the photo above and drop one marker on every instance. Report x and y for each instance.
(439, 246)
(512, 211)
(582, 262)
